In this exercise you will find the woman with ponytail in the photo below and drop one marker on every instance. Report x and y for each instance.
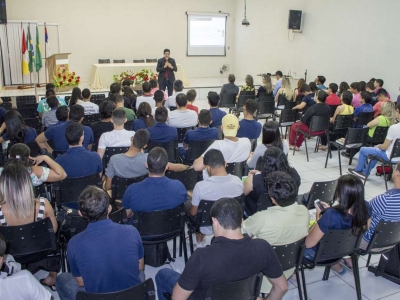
(145, 119)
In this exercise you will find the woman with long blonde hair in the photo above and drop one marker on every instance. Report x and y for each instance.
(266, 87)
(285, 91)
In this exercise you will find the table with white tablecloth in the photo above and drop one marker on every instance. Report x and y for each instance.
(101, 75)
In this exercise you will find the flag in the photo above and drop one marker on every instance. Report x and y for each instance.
(30, 50)
(38, 56)
(46, 39)
(25, 57)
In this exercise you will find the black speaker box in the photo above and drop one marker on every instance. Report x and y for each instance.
(295, 19)
(3, 14)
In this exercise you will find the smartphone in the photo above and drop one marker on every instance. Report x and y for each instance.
(318, 203)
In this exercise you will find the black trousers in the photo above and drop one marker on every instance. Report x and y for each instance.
(167, 85)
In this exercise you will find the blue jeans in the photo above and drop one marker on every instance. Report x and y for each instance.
(67, 287)
(362, 159)
(165, 281)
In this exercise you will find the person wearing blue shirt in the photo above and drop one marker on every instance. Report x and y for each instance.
(56, 132)
(43, 105)
(278, 84)
(248, 127)
(106, 257)
(365, 106)
(216, 113)
(156, 192)
(161, 132)
(320, 82)
(78, 161)
(309, 91)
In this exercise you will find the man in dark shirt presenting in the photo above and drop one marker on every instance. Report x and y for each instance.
(213, 265)
(166, 67)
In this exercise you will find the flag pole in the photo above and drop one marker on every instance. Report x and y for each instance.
(45, 54)
(22, 66)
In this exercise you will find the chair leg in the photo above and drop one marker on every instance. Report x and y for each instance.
(298, 284)
(327, 155)
(185, 253)
(356, 273)
(326, 273)
(190, 241)
(303, 279)
(305, 144)
(295, 142)
(340, 161)
(174, 248)
(384, 175)
(368, 260)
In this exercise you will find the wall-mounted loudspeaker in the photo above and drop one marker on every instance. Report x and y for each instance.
(295, 19)
(3, 14)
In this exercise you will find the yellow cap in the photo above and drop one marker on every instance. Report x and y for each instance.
(230, 125)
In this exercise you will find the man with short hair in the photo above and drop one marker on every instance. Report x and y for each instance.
(90, 108)
(216, 113)
(42, 105)
(178, 88)
(370, 89)
(278, 84)
(378, 85)
(166, 67)
(309, 91)
(119, 137)
(203, 132)
(49, 118)
(78, 161)
(282, 224)
(119, 103)
(106, 257)
(365, 106)
(158, 99)
(355, 90)
(231, 257)
(115, 89)
(248, 126)
(182, 117)
(320, 82)
(333, 99)
(161, 132)
(158, 191)
(146, 97)
(56, 132)
(191, 97)
(231, 87)
(381, 97)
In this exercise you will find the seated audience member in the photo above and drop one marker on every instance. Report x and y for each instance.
(49, 118)
(90, 108)
(160, 192)
(370, 89)
(76, 97)
(129, 97)
(278, 84)
(271, 137)
(231, 87)
(105, 124)
(344, 86)
(56, 132)
(345, 108)
(355, 90)
(231, 257)
(249, 84)
(203, 132)
(381, 97)
(365, 102)
(284, 94)
(273, 159)
(297, 92)
(43, 105)
(233, 149)
(216, 113)
(146, 97)
(115, 89)
(320, 82)
(10, 284)
(384, 150)
(158, 98)
(284, 223)
(266, 87)
(378, 84)
(363, 85)
(16, 129)
(119, 103)
(351, 212)
(178, 89)
(18, 206)
(122, 263)
(161, 132)
(309, 92)
(78, 161)
(248, 126)
(332, 98)
(319, 109)
(218, 185)
(144, 117)
(191, 97)
(155, 88)
(182, 117)
(119, 137)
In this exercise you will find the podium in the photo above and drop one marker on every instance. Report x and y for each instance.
(56, 63)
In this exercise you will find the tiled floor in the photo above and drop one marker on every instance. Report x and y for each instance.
(337, 287)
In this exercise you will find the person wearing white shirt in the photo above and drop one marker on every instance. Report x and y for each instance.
(178, 88)
(90, 108)
(146, 97)
(182, 117)
(158, 99)
(278, 84)
(119, 137)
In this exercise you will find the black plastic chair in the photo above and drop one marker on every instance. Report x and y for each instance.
(181, 133)
(162, 226)
(128, 125)
(243, 96)
(393, 159)
(138, 61)
(6, 99)
(118, 61)
(333, 109)
(119, 186)
(227, 101)
(342, 124)
(151, 60)
(334, 245)
(379, 136)
(143, 291)
(89, 119)
(27, 113)
(324, 191)
(291, 256)
(265, 109)
(104, 61)
(31, 242)
(189, 177)
(364, 118)
(26, 101)
(197, 148)
(317, 124)
(287, 118)
(110, 151)
(354, 139)
(236, 168)
(170, 147)
(6, 105)
(97, 97)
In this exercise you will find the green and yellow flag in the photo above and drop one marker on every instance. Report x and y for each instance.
(38, 56)
(30, 50)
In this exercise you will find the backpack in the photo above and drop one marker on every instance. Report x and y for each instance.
(379, 170)
(157, 254)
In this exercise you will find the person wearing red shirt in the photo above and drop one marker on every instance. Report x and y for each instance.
(333, 99)
(191, 97)
(381, 97)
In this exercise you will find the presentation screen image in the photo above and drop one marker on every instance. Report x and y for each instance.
(206, 35)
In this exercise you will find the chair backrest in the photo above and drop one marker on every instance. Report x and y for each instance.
(104, 61)
(170, 147)
(89, 119)
(197, 148)
(282, 100)
(26, 101)
(31, 242)
(319, 123)
(379, 135)
(290, 255)
(396, 150)
(287, 117)
(119, 216)
(263, 97)
(128, 125)
(32, 122)
(299, 99)
(97, 97)
(6, 105)
(333, 109)
(27, 113)
(324, 191)
(160, 223)
(119, 185)
(236, 168)
(110, 151)
(143, 291)
(245, 289)
(243, 96)
(227, 100)
(118, 61)
(290, 104)
(189, 177)
(151, 60)
(138, 61)
(181, 133)
(386, 234)
(355, 136)
(265, 108)
(364, 118)
(6, 99)
(343, 122)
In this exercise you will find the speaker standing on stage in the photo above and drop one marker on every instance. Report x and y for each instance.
(166, 67)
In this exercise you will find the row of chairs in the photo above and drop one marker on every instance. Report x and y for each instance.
(122, 61)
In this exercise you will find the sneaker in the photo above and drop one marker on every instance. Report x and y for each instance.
(345, 154)
(359, 174)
